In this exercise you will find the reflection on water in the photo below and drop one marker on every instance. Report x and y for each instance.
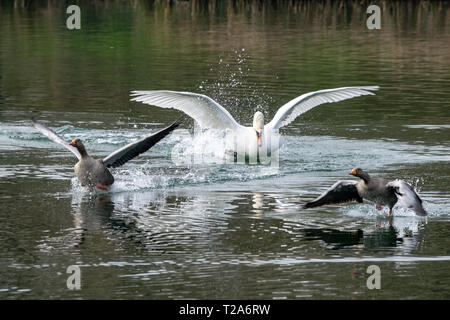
(94, 212)
(179, 215)
(336, 238)
(258, 202)
(169, 231)
(202, 239)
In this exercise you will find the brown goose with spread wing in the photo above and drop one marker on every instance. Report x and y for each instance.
(378, 190)
(94, 172)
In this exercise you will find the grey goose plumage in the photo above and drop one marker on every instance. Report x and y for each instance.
(94, 172)
(378, 190)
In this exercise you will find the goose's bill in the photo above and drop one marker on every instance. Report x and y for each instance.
(258, 138)
(353, 172)
(72, 143)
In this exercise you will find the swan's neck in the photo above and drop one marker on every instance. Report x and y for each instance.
(258, 130)
(258, 122)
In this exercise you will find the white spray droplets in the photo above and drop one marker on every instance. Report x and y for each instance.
(236, 88)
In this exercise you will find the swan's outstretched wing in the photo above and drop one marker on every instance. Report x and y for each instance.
(407, 196)
(132, 150)
(341, 191)
(203, 109)
(291, 110)
(54, 137)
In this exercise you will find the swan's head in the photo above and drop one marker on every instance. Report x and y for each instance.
(258, 121)
(258, 125)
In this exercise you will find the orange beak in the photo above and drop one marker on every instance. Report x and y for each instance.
(258, 139)
(72, 143)
(353, 172)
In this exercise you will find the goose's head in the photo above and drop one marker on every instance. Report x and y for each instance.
(360, 173)
(79, 145)
(395, 186)
(258, 126)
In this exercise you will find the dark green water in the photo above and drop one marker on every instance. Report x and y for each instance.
(223, 231)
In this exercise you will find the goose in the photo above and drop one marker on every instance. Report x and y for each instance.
(211, 115)
(377, 190)
(94, 172)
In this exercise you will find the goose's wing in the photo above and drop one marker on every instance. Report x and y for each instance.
(54, 137)
(341, 191)
(407, 196)
(132, 150)
(291, 110)
(207, 112)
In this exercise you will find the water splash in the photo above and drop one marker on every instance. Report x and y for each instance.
(235, 88)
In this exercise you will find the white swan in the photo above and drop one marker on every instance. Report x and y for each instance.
(210, 115)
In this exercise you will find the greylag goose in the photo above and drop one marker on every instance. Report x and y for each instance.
(94, 172)
(211, 115)
(377, 190)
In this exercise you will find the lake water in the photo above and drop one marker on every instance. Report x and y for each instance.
(223, 231)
